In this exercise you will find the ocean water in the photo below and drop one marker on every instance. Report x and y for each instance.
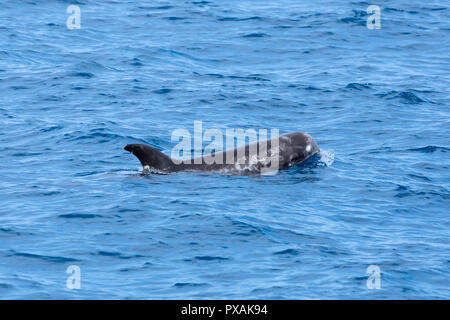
(376, 102)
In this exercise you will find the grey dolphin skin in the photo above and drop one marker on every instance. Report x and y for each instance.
(292, 148)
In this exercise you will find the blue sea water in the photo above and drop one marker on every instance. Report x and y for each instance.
(376, 102)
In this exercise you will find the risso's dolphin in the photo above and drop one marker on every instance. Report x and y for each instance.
(259, 157)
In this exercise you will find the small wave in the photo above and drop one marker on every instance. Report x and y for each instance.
(408, 97)
(6, 286)
(88, 173)
(93, 134)
(11, 232)
(430, 149)
(7, 230)
(255, 35)
(390, 9)
(51, 128)
(311, 88)
(419, 177)
(86, 75)
(167, 7)
(79, 88)
(291, 252)
(358, 18)
(255, 77)
(406, 191)
(136, 62)
(92, 66)
(358, 86)
(55, 259)
(426, 149)
(201, 2)
(108, 254)
(250, 77)
(116, 255)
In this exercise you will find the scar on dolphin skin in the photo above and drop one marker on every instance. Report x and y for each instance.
(259, 157)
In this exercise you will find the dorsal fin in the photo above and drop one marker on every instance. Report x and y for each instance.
(150, 157)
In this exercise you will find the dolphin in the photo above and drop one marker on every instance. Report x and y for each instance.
(259, 157)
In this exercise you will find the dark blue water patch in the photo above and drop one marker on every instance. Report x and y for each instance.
(358, 86)
(311, 88)
(91, 66)
(250, 77)
(201, 3)
(359, 17)
(8, 232)
(214, 75)
(255, 35)
(236, 19)
(435, 9)
(162, 91)
(407, 191)
(86, 75)
(246, 229)
(189, 285)
(384, 150)
(409, 97)
(94, 134)
(420, 177)
(115, 254)
(6, 286)
(163, 7)
(20, 87)
(108, 95)
(52, 98)
(209, 258)
(404, 96)
(332, 252)
(26, 154)
(391, 9)
(430, 149)
(174, 18)
(86, 173)
(289, 252)
(143, 267)
(52, 259)
(79, 88)
(136, 62)
(50, 193)
(52, 128)
(125, 210)
(255, 77)
(80, 216)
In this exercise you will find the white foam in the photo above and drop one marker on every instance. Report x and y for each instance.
(148, 170)
(326, 157)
